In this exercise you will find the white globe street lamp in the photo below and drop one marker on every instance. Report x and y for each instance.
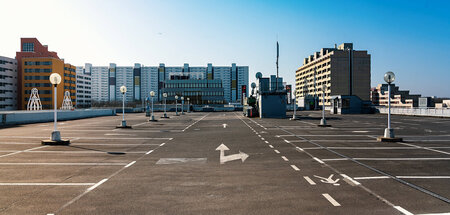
(123, 90)
(182, 105)
(165, 98)
(55, 79)
(152, 117)
(176, 105)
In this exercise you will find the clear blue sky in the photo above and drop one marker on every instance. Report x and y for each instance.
(411, 38)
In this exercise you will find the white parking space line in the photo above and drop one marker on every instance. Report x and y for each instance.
(426, 148)
(331, 200)
(403, 210)
(284, 158)
(266, 141)
(262, 138)
(276, 151)
(353, 182)
(371, 177)
(63, 164)
(97, 184)
(404, 176)
(286, 141)
(446, 213)
(358, 148)
(95, 138)
(271, 146)
(149, 152)
(139, 124)
(46, 184)
(318, 160)
(27, 150)
(295, 168)
(309, 180)
(162, 144)
(131, 163)
(300, 149)
(386, 159)
(114, 144)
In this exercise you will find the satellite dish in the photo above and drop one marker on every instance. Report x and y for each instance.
(253, 85)
(258, 75)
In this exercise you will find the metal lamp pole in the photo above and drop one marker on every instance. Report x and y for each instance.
(123, 90)
(55, 79)
(389, 77)
(323, 121)
(152, 117)
(189, 105)
(182, 105)
(176, 105)
(165, 101)
(294, 116)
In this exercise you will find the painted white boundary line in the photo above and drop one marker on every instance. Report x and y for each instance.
(318, 160)
(65, 164)
(295, 168)
(331, 200)
(386, 159)
(284, 158)
(97, 184)
(266, 141)
(46, 184)
(276, 151)
(162, 144)
(149, 152)
(354, 182)
(131, 163)
(403, 210)
(309, 180)
(401, 176)
(271, 146)
(26, 150)
(446, 213)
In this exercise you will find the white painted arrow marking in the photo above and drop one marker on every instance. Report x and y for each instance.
(222, 148)
(328, 180)
(224, 125)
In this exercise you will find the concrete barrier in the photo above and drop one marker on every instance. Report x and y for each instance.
(24, 117)
(436, 112)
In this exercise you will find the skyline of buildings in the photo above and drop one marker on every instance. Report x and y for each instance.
(343, 70)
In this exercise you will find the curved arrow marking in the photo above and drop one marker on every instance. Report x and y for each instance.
(223, 159)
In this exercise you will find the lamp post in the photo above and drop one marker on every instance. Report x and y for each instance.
(123, 90)
(389, 136)
(294, 116)
(55, 79)
(152, 117)
(182, 105)
(165, 98)
(323, 121)
(189, 105)
(176, 105)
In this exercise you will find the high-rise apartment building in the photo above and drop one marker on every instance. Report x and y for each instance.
(35, 64)
(140, 80)
(83, 86)
(343, 71)
(8, 83)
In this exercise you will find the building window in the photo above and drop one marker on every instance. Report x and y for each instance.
(28, 47)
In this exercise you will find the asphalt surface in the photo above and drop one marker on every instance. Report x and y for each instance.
(172, 166)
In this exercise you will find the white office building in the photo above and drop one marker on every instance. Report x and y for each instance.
(8, 83)
(83, 87)
(140, 80)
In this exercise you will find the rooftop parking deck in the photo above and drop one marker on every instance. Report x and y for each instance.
(173, 166)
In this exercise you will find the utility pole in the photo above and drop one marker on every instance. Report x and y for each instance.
(278, 55)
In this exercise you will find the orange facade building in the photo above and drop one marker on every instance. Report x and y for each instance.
(35, 65)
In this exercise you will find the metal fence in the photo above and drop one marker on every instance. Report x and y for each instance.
(437, 112)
